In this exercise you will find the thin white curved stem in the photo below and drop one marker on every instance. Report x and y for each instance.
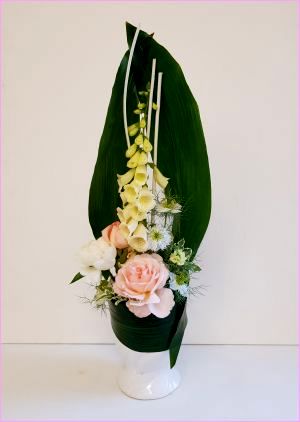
(159, 82)
(151, 97)
(126, 84)
(158, 101)
(150, 160)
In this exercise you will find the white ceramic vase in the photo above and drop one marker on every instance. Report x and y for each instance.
(146, 376)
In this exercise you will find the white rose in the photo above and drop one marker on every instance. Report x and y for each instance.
(96, 256)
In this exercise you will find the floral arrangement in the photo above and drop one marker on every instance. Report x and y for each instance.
(143, 255)
(136, 259)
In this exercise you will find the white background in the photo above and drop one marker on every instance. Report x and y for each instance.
(59, 65)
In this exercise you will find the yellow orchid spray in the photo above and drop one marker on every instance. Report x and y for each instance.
(137, 198)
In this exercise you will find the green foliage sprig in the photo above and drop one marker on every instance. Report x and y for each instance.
(181, 266)
(178, 258)
(105, 293)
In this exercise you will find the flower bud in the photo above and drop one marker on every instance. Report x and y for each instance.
(143, 93)
(139, 139)
(133, 129)
(131, 150)
(154, 106)
(142, 123)
(143, 159)
(134, 160)
(141, 106)
(147, 145)
(178, 257)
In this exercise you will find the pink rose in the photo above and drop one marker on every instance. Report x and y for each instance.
(113, 236)
(141, 279)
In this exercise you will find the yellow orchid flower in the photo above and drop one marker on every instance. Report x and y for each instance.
(143, 158)
(139, 240)
(131, 192)
(124, 179)
(133, 129)
(160, 179)
(128, 224)
(132, 211)
(134, 160)
(131, 150)
(121, 216)
(145, 201)
(123, 198)
(139, 139)
(128, 228)
(140, 177)
(147, 145)
(143, 123)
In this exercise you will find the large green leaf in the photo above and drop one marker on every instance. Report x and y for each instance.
(150, 334)
(182, 152)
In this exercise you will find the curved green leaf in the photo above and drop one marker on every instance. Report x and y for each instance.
(182, 155)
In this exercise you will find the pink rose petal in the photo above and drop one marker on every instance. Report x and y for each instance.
(139, 311)
(163, 308)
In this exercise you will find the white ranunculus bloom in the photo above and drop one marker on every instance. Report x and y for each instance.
(96, 256)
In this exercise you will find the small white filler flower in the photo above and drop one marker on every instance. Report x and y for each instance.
(182, 288)
(168, 206)
(159, 238)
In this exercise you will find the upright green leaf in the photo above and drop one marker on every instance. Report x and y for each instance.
(182, 152)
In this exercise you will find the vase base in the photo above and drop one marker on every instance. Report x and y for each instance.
(148, 386)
